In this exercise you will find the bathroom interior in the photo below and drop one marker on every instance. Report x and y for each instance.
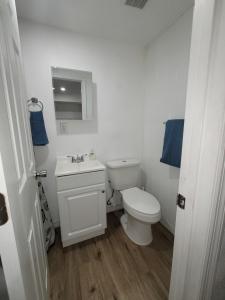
(109, 78)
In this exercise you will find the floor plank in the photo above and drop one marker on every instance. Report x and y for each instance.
(112, 267)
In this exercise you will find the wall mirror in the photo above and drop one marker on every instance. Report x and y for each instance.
(72, 91)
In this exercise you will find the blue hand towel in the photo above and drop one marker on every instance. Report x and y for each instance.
(38, 131)
(173, 139)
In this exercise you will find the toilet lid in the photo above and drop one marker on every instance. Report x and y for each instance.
(141, 201)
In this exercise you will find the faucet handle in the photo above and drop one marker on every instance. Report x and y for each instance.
(80, 158)
(73, 159)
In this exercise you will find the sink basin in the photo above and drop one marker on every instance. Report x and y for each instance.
(64, 167)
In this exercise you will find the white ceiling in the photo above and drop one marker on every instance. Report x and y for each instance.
(106, 18)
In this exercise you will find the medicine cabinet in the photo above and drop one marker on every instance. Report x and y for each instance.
(72, 91)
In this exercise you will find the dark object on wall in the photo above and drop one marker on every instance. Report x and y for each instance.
(172, 146)
(3, 210)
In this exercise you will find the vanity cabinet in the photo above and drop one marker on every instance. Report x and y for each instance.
(82, 206)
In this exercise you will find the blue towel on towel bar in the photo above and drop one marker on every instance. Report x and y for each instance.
(38, 131)
(172, 146)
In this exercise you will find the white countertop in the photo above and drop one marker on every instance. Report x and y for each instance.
(65, 167)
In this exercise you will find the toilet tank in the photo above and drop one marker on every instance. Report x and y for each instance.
(124, 174)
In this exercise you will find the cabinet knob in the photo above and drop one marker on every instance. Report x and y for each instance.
(103, 191)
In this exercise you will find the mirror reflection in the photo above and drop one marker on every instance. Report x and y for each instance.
(67, 96)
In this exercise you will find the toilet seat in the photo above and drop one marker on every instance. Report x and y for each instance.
(141, 205)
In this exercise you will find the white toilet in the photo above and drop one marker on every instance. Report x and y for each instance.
(141, 208)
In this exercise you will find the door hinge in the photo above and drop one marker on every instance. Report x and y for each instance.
(3, 210)
(181, 201)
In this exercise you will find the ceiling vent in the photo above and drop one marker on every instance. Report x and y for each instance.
(136, 3)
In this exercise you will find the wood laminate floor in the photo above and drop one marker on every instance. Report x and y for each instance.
(112, 267)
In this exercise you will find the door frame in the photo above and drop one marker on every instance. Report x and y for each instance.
(203, 162)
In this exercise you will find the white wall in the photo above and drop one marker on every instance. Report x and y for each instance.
(117, 70)
(166, 79)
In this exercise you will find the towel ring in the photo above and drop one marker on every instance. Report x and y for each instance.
(34, 100)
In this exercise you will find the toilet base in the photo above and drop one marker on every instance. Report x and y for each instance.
(140, 233)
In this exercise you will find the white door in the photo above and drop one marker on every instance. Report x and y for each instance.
(87, 99)
(202, 166)
(21, 240)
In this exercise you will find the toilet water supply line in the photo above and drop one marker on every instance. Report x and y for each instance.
(113, 191)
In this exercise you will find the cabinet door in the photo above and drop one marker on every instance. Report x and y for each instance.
(82, 213)
(87, 99)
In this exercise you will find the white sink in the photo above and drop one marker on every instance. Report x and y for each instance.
(64, 167)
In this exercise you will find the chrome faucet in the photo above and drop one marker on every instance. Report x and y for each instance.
(77, 159)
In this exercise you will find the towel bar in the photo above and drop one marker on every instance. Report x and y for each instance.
(34, 100)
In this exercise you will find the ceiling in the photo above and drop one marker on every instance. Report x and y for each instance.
(109, 19)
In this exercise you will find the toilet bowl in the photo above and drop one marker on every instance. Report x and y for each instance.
(141, 210)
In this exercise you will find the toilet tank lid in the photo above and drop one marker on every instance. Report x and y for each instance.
(123, 163)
